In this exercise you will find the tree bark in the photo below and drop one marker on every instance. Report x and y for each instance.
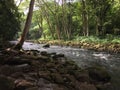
(26, 27)
(85, 19)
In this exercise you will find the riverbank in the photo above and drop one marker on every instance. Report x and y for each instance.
(107, 47)
(35, 70)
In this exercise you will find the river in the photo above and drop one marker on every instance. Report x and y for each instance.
(85, 58)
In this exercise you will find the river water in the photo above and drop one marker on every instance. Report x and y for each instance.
(85, 58)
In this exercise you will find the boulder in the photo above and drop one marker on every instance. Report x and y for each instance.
(82, 76)
(99, 74)
(32, 88)
(44, 53)
(46, 46)
(6, 83)
(57, 78)
(21, 84)
(85, 86)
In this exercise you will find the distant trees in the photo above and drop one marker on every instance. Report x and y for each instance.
(61, 19)
(85, 18)
(9, 19)
(101, 10)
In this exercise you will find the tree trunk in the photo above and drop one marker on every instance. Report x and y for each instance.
(26, 27)
(85, 19)
(96, 26)
(99, 26)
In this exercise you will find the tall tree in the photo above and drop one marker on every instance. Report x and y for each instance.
(101, 8)
(26, 27)
(85, 18)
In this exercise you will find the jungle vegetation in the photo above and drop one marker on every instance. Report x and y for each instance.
(61, 20)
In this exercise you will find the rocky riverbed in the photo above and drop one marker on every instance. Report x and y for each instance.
(35, 70)
(107, 47)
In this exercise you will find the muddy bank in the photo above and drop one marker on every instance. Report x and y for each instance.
(35, 70)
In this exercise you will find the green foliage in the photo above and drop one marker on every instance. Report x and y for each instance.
(87, 39)
(9, 19)
(65, 19)
(94, 39)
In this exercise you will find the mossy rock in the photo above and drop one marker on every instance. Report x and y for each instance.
(99, 74)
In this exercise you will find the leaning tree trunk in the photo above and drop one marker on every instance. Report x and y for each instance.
(26, 27)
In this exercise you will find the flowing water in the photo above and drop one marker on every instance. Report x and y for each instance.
(85, 58)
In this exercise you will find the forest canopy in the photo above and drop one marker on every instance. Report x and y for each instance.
(70, 19)
(61, 19)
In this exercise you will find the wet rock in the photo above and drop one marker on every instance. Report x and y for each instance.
(15, 61)
(53, 70)
(54, 53)
(62, 71)
(45, 75)
(69, 80)
(29, 78)
(22, 68)
(33, 74)
(85, 86)
(60, 55)
(32, 52)
(99, 74)
(44, 53)
(82, 76)
(45, 85)
(32, 88)
(106, 86)
(46, 46)
(21, 84)
(50, 65)
(56, 56)
(57, 78)
(28, 58)
(60, 87)
(17, 74)
(6, 83)
(43, 59)
(6, 70)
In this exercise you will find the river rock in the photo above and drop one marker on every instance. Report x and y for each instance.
(46, 46)
(16, 61)
(6, 70)
(32, 88)
(99, 74)
(6, 83)
(21, 84)
(32, 52)
(44, 53)
(85, 86)
(82, 76)
(45, 74)
(57, 56)
(106, 86)
(57, 78)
